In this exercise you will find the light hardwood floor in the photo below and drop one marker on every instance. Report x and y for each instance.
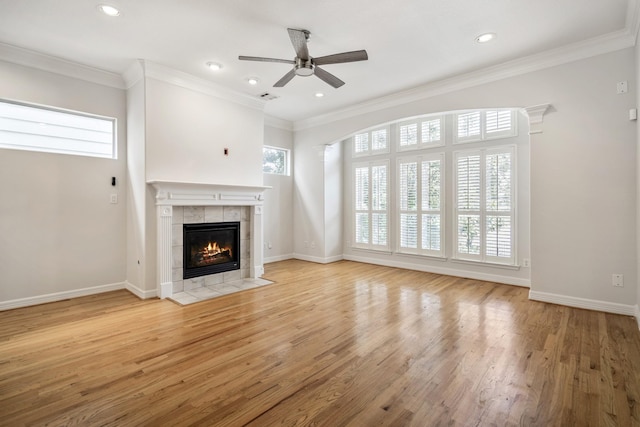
(328, 345)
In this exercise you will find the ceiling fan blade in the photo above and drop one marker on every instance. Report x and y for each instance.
(299, 42)
(356, 55)
(261, 59)
(285, 79)
(328, 77)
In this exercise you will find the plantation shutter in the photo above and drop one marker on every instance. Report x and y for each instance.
(371, 216)
(408, 134)
(485, 199)
(408, 205)
(468, 204)
(431, 200)
(469, 126)
(420, 202)
(499, 204)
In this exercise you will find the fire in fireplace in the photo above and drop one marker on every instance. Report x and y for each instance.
(211, 248)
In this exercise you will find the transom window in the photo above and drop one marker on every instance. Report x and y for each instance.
(46, 129)
(482, 125)
(371, 142)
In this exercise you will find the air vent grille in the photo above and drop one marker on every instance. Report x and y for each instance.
(268, 96)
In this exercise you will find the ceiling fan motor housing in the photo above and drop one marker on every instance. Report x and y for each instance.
(303, 67)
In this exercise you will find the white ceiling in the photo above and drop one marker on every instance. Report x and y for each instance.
(410, 42)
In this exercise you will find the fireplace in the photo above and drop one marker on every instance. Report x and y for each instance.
(211, 248)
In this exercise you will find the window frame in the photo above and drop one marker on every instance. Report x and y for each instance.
(370, 151)
(370, 211)
(62, 126)
(483, 212)
(420, 211)
(420, 143)
(485, 135)
(287, 160)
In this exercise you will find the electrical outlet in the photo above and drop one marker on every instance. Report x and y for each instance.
(618, 280)
(306, 244)
(621, 87)
(313, 245)
(525, 262)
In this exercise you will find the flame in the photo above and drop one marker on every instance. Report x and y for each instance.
(213, 248)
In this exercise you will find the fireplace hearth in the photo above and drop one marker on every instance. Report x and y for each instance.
(211, 248)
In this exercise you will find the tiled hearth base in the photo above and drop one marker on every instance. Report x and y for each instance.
(207, 292)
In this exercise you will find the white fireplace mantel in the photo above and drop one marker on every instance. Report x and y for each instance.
(197, 193)
(169, 194)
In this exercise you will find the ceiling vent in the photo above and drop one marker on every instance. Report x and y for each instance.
(268, 96)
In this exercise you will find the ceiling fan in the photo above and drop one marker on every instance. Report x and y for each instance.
(305, 65)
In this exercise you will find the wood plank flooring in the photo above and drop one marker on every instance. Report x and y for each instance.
(344, 344)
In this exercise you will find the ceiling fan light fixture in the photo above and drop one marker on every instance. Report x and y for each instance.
(486, 37)
(108, 10)
(214, 66)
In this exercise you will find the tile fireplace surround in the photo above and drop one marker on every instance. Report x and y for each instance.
(183, 202)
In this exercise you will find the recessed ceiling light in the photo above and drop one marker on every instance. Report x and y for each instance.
(214, 66)
(319, 94)
(108, 10)
(252, 81)
(484, 38)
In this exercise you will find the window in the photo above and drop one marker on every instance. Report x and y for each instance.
(482, 125)
(426, 169)
(421, 133)
(371, 219)
(52, 130)
(485, 205)
(420, 205)
(375, 141)
(275, 160)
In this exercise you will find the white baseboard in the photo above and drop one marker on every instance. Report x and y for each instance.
(59, 296)
(142, 294)
(443, 270)
(277, 258)
(589, 304)
(318, 260)
(637, 314)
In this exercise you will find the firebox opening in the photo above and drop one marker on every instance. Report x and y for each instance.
(211, 248)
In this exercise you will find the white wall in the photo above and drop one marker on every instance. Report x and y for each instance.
(309, 198)
(583, 190)
(637, 97)
(137, 232)
(59, 234)
(333, 202)
(278, 203)
(187, 132)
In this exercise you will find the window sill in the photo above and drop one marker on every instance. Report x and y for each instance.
(370, 250)
(421, 256)
(486, 264)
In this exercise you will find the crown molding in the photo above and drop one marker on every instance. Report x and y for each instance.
(188, 81)
(278, 123)
(632, 23)
(133, 74)
(562, 55)
(41, 61)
